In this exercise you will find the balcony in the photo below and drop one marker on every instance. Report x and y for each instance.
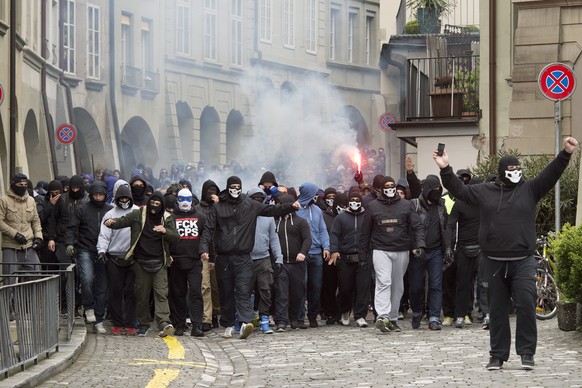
(151, 85)
(131, 79)
(442, 88)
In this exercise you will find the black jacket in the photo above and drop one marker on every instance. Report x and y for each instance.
(345, 232)
(508, 213)
(61, 216)
(422, 207)
(294, 236)
(467, 218)
(189, 225)
(390, 225)
(84, 227)
(232, 223)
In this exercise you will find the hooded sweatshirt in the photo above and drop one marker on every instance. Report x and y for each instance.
(189, 224)
(314, 216)
(434, 215)
(294, 234)
(265, 235)
(115, 242)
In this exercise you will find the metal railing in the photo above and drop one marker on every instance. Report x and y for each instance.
(132, 76)
(151, 81)
(464, 13)
(443, 87)
(34, 306)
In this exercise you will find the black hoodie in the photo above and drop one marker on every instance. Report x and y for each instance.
(189, 225)
(205, 202)
(139, 197)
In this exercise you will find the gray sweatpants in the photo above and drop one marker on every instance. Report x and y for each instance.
(390, 268)
(25, 259)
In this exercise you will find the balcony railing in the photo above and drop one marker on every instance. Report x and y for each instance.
(442, 88)
(465, 13)
(131, 76)
(151, 81)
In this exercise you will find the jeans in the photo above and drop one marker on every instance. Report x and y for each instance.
(314, 281)
(261, 283)
(185, 295)
(93, 276)
(121, 295)
(433, 265)
(234, 273)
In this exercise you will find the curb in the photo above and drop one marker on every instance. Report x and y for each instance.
(55, 364)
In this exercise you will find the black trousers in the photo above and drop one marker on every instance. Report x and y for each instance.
(354, 288)
(185, 294)
(458, 285)
(329, 284)
(121, 295)
(289, 292)
(511, 280)
(233, 273)
(261, 282)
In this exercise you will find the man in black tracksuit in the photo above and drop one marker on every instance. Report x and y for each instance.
(186, 269)
(231, 224)
(295, 238)
(507, 236)
(329, 284)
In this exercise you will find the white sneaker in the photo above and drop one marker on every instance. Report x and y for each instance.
(346, 318)
(362, 322)
(90, 316)
(99, 328)
(228, 332)
(246, 329)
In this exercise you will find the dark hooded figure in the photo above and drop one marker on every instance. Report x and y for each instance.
(153, 231)
(231, 227)
(138, 191)
(269, 185)
(376, 190)
(507, 237)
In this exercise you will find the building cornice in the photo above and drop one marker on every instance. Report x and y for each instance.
(3, 28)
(32, 59)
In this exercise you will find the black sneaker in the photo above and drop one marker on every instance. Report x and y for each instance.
(197, 331)
(281, 327)
(179, 331)
(495, 364)
(331, 321)
(434, 325)
(302, 325)
(294, 325)
(527, 361)
(215, 321)
(166, 329)
(142, 331)
(415, 322)
(206, 327)
(313, 322)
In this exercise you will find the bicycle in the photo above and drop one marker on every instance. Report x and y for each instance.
(548, 293)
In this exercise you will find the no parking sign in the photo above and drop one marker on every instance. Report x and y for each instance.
(66, 133)
(557, 81)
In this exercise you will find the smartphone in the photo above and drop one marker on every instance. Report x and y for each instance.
(440, 149)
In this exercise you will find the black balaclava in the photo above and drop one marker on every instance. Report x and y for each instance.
(76, 181)
(233, 180)
(508, 160)
(377, 184)
(340, 203)
(432, 189)
(138, 193)
(464, 175)
(388, 193)
(329, 201)
(98, 187)
(209, 188)
(54, 186)
(18, 178)
(355, 202)
(156, 213)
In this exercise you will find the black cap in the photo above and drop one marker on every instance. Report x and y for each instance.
(268, 176)
(19, 178)
(233, 180)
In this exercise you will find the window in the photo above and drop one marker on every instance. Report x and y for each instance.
(333, 25)
(265, 20)
(312, 27)
(351, 35)
(236, 46)
(69, 36)
(369, 37)
(183, 28)
(126, 51)
(289, 23)
(210, 49)
(93, 41)
(146, 45)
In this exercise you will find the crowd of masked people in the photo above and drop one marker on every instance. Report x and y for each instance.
(152, 251)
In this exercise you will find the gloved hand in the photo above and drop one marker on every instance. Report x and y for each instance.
(278, 268)
(449, 256)
(36, 243)
(419, 253)
(102, 257)
(20, 238)
(359, 177)
(70, 250)
(363, 265)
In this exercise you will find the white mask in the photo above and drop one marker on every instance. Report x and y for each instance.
(513, 176)
(329, 201)
(185, 205)
(125, 205)
(340, 209)
(235, 193)
(355, 205)
(390, 192)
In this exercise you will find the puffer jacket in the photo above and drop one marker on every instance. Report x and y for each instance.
(18, 215)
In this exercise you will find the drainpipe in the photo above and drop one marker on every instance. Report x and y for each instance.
(13, 113)
(49, 122)
(492, 79)
(112, 85)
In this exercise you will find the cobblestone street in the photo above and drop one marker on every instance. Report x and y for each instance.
(330, 356)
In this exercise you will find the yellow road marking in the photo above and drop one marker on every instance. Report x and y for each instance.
(163, 378)
(175, 349)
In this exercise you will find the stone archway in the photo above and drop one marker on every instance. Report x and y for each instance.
(234, 135)
(186, 130)
(357, 123)
(89, 143)
(138, 144)
(210, 136)
(36, 154)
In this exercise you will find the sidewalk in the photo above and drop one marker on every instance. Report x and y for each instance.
(55, 364)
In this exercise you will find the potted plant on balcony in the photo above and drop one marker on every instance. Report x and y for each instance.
(468, 82)
(428, 13)
(567, 249)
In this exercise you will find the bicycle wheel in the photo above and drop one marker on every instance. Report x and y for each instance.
(548, 295)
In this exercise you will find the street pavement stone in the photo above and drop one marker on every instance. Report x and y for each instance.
(328, 356)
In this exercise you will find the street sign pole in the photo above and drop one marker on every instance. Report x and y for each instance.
(558, 123)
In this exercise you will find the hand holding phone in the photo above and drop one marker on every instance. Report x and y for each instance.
(440, 149)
